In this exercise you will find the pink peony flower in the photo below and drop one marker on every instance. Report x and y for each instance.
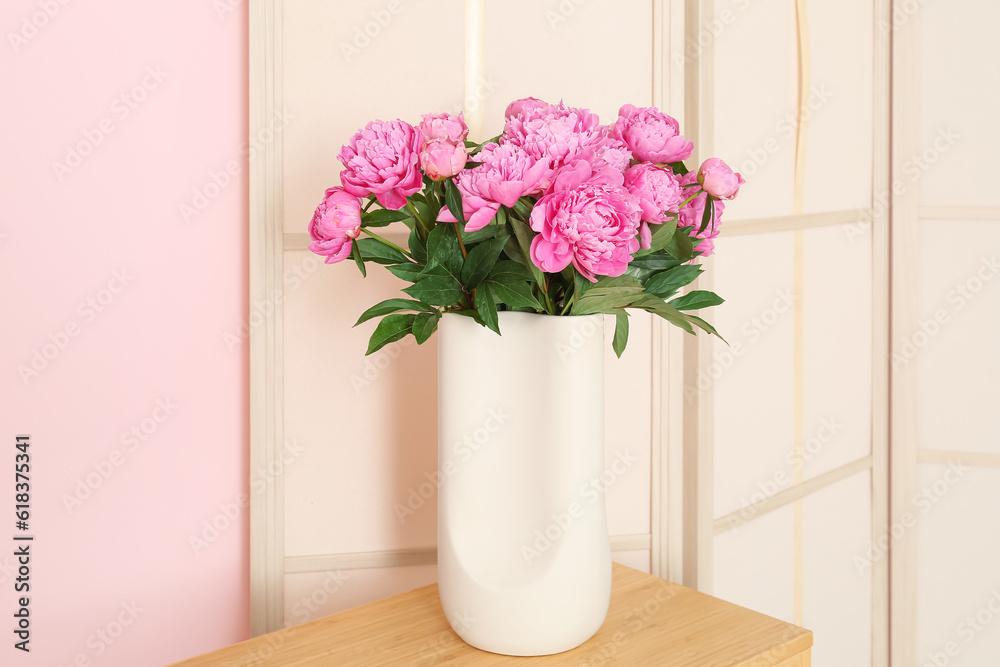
(382, 159)
(658, 191)
(444, 126)
(336, 222)
(563, 134)
(718, 179)
(691, 214)
(613, 153)
(442, 159)
(517, 107)
(506, 174)
(592, 224)
(652, 135)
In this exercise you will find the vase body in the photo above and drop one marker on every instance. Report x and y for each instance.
(524, 557)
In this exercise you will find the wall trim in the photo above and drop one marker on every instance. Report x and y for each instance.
(698, 447)
(412, 557)
(787, 223)
(790, 495)
(266, 259)
(960, 213)
(881, 285)
(944, 457)
(904, 309)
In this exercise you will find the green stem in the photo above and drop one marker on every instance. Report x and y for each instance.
(387, 242)
(692, 197)
(569, 303)
(546, 299)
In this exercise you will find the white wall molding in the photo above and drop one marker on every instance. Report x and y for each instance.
(960, 213)
(947, 457)
(698, 448)
(905, 141)
(412, 557)
(266, 258)
(790, 495)
(881, 283)
(787, 223)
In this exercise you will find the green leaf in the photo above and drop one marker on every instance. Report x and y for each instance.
(510, 271)
(409, 271)
(509, 281)
(704, 326)
(697, 299)
(425, 324)
(453, 200)
(389, 330)
(709, 213)
(480, 262)
(383, 216)
(641, 268)
(356, 254)
(515, 294)
(373, 250)
(488, 232)
(678, 168)
(424, 216)
(443, 249)
(609, 294)
(680, 245)
(391, 306)
(659, 307)
(436, 290)
(467, 313)
(621, 333)
(487, 308)
(662, 236)
(524, 237)
(524, 206)
(418, 248)
(666, 283)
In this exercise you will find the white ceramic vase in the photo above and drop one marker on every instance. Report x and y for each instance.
(524, 557)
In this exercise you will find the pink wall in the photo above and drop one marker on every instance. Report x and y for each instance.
(101, 272)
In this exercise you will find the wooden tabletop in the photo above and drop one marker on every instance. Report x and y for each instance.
(651, 622)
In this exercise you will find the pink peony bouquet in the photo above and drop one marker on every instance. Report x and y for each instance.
(558, 215)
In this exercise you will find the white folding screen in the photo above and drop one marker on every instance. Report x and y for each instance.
(797, 100)
(350, 514)
(946, 314)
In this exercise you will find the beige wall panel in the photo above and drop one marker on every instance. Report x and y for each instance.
(954, 343)
(837, 592)
(635, 559)
(837, 352)
(958, 579)
(755, 100)
(335, 81)
(839, 106)
(752, 377)
(371, 421)
(627, 428)
(959, 105)
(754, 564)
(595, 54)
(312, 595)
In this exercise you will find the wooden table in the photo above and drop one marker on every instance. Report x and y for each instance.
(652, 622)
